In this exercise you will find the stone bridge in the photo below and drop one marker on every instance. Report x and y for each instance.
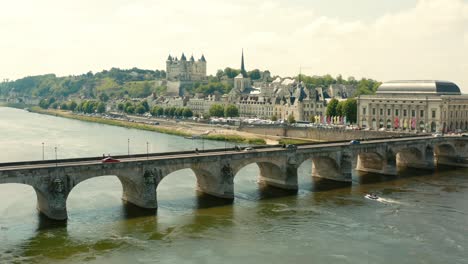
(215, 169)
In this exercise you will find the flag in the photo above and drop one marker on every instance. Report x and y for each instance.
(397, 122)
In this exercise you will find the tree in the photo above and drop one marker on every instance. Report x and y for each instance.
(130, 109)
(44, 103)
(145, 105)
(291, 119)
(72, 105)
(178, 111)
(339, 108)
(154, 111)
(160, 111)
(331, 107)
(350, 110)
(274, 118)
(101, 107)
(187, 112)
(140, 109)
(216, 110)
(172, 111)
(103, 97)
(254, 74)
(312, 119)
(64, 106)
(121, 107)
(55, 105)
(231, 111)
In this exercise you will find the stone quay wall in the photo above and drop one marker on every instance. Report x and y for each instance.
(320, 134)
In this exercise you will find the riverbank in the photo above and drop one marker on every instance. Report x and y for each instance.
(184, 129)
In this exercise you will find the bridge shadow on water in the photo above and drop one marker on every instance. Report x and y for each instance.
(324, 185)
(45, 223)
(130, 211)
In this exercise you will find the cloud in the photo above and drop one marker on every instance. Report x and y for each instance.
(428, 40)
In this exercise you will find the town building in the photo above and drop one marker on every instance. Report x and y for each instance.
(414, 106)
(280, 98)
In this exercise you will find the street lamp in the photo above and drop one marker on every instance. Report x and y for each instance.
(128, 147)
(56, 156)
(42, 150)
(147, 150)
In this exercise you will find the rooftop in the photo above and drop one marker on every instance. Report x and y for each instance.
(421, 87)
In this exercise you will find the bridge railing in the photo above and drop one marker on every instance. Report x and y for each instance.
(172, 153)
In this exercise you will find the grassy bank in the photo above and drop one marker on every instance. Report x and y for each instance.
(292, 141)
(15, 105)
(170, 131)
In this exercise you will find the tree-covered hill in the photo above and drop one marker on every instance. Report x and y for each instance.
(115, 82)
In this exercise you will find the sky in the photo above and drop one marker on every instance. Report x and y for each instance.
(383, 40)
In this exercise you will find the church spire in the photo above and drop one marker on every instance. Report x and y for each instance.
(244, 73)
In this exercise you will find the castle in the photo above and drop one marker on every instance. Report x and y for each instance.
(185, 70)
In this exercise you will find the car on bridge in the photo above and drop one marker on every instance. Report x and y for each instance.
(291, 146)
(109, 160)
(354, 142)
(249, 149)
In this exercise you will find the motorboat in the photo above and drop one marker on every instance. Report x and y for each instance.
(372, 196)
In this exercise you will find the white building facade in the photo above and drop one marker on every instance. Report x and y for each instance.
(414, 106)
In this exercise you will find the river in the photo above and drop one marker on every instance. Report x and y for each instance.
(421, 218)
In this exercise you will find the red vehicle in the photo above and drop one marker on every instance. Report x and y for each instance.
(109, 160)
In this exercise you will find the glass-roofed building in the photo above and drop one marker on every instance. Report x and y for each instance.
(414, 106)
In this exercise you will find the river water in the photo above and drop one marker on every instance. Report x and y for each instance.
(421, 218)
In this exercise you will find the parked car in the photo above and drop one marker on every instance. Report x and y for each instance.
(464, 135)
(249, 149)
(354, 142)
(109, 160)
(437, 135)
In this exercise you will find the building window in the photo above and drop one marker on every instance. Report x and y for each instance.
(364, 111)
(404, 112)
(421, 113)
(396, 112)
(389, 112)
(433, 113)
(373, 111)
(413, 113)
(381, 111)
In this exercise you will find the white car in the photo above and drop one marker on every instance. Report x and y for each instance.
(437, 135)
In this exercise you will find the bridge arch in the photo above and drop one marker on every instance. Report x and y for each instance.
(18, 198)
(326, 166)
(409, 157)
(84, 196)
(445, 149)
(370, 162)
(272, 171)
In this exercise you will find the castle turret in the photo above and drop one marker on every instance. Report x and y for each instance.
(169, 58)
(203, 58)
(192, 59)
(183, 58)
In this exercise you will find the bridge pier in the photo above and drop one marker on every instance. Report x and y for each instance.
(215, 179)
(140, 191)
(52, 198)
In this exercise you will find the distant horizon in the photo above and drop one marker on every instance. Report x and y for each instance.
(384, 40)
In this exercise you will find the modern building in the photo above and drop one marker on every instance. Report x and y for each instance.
(414, 106)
